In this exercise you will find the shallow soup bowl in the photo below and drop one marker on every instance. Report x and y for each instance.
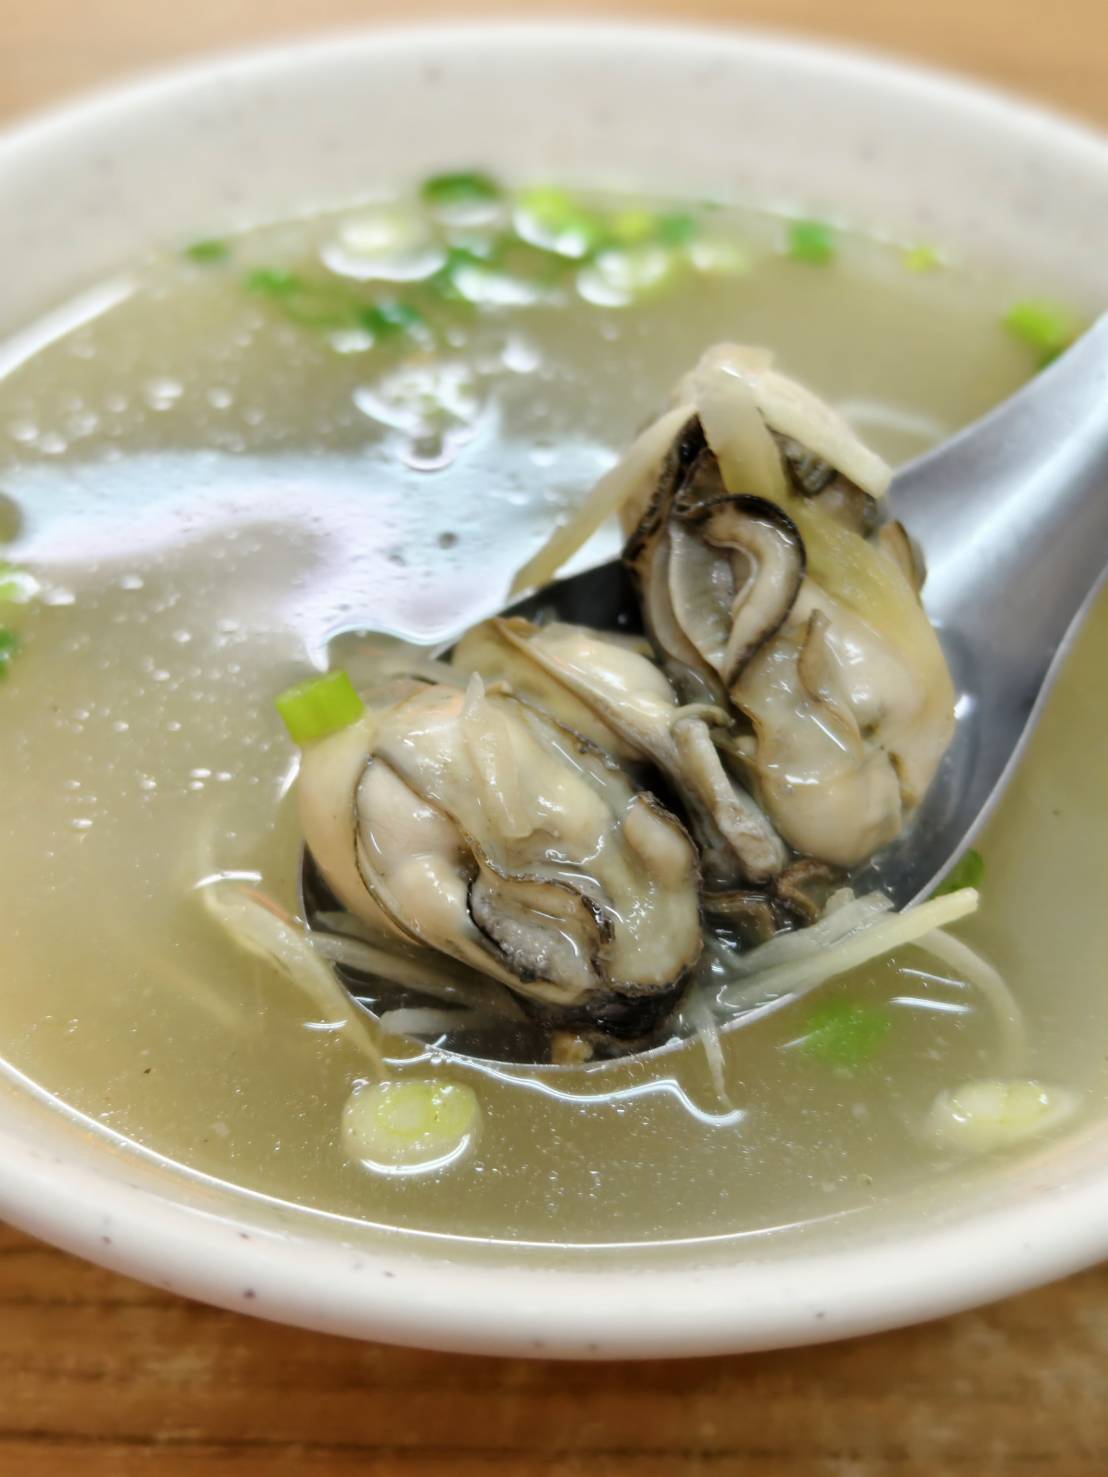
(266, 135)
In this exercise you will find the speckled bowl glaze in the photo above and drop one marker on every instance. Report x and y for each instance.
(255, 136)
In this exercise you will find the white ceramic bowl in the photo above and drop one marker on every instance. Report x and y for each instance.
(262, 134)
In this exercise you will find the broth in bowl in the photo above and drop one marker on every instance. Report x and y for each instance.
(223, 468)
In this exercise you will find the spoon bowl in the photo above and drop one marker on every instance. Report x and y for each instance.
(1012, 520)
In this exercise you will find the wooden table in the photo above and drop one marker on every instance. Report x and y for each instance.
(101, 1377)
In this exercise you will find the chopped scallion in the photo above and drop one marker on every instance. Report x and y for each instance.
(462, 187)
(551, 218)
(550, 204)
(1046, 327)
(273, 281)
(445, 280)
(811, 241)
(16, 585)
(387, 318)
(410, 1123)
(845, 1033)
(922, 258)
(995, 1113)
(969, 872)
(719, 256)
(211, 250)
(632, 227)
(676, 230)
(9, 645)
(318, 305)
(319, 706)
(619, 276)
(479, 246)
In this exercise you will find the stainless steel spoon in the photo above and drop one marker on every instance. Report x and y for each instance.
(1012, 518)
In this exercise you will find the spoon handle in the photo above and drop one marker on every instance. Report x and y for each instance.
(1012, 514)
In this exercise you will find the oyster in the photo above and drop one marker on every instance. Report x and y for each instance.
(610, 691)
(468, 823)
(767, 588)
(790, 700)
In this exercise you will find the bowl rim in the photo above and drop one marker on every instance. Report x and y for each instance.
(208, 63)
(95, 1208)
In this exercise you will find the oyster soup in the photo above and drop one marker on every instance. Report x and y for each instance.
(247, 462)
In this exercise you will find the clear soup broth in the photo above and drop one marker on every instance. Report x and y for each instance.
(221, 466)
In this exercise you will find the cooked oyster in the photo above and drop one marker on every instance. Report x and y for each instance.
(790, 693)
(765, 588)
(796, 898)
(608, 690)
(471, 824)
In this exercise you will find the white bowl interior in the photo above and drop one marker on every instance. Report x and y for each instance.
(254, 137)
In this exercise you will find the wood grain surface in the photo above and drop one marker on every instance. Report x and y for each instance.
(102, 1377)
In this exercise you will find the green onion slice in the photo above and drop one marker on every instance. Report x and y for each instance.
(922, 258)
(462, 187)
(211, 250)
(676, 230)
(969, 872)
(318, 305)
(320, 706)
(9, 645)
(1046, 327)
(17, 586)
(549, 217)
(811, 241)
(387, 318)
(846, 1034)
(408, 1124)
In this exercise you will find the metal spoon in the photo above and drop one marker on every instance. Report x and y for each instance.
(1012, 518)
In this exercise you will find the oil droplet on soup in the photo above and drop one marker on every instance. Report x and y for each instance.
(367, 421)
